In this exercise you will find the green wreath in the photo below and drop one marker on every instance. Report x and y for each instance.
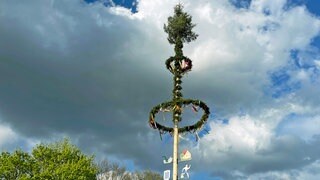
(184, 64)
(170, 106)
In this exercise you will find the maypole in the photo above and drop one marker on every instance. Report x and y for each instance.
(179, 31)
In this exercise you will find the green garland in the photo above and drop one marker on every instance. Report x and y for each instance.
(170, 64)
(170, 106)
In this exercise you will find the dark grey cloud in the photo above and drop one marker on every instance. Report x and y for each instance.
(63, 71)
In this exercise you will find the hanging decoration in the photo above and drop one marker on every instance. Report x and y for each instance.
(185, 64)
(160, 133)
(194, 108)
(197, 136)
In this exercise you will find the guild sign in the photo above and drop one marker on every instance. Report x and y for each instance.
(185, 155)
(166, 175)
(167, 160)
(185, 171)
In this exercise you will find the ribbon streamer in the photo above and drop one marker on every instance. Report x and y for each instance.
(194, 108)
(197, 136)
(160, 135)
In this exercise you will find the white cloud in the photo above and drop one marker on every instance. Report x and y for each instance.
(305, 127)
(6, 136)
(236, 145)
(264, 144)
(11, 140)
(310, 172)
(273, 7)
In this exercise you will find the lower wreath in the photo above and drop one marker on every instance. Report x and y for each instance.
(169, 106)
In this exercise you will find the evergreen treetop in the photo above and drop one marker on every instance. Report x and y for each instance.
(179, 29)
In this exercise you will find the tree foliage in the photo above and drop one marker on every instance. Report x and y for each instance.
(149, 175)
(109, 170)
(18, 165)
(179, 28)
(60, 160)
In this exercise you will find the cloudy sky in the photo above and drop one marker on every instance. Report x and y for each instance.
(92, 70)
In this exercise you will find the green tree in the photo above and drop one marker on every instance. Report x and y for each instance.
(179, 29)
(114, 171)
(59, 160)
(18, 165)
(149, 175)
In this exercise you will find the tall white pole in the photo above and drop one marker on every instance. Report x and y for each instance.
(175, 150)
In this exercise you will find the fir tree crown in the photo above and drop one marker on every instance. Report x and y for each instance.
(180, 26)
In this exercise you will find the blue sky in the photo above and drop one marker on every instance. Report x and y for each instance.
(92, 70)
(130, 4)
